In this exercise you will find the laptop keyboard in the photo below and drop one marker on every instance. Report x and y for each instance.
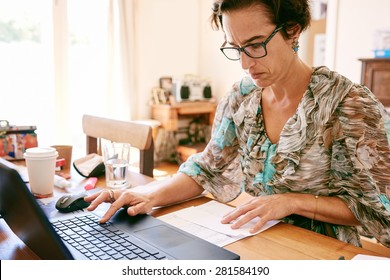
(103, 241)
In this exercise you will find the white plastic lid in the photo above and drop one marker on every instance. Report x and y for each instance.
(39, 152)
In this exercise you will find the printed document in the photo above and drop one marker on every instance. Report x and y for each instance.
(204, 221)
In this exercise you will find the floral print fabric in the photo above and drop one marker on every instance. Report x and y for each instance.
(335, 144)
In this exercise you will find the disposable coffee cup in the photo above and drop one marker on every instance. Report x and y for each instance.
(41, 163)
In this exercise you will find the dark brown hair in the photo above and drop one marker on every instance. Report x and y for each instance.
(287, 12)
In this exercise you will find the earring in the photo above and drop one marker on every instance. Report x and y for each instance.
(295, 45)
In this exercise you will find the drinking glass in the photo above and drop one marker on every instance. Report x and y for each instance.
(116, 158)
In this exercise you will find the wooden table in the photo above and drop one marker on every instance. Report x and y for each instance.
(281, 242)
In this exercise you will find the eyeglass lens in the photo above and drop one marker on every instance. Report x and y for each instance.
(254, 50)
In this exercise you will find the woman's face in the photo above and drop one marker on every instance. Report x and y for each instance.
(252, 25)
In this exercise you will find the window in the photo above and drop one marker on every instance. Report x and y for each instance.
(26, 67)
(58, 62)
(87, 61)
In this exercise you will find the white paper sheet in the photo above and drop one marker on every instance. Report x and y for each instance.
(204, 221)
(218, 210)
(211, 236)
(368, 257)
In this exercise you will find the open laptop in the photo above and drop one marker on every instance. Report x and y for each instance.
(46, 237)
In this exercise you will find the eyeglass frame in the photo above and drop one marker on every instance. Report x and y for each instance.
(242, 49)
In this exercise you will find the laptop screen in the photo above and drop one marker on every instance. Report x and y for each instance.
(26, 219)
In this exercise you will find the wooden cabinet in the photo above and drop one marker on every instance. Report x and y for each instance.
(376, 76)
(169, 115)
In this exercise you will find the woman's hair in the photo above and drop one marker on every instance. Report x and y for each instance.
(287, 12)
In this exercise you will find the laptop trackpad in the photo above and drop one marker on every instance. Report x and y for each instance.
(164, 236)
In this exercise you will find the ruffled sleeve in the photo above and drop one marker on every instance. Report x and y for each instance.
(217, 169)
(361, 161)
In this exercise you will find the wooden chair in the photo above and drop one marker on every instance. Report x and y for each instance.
(136, 134)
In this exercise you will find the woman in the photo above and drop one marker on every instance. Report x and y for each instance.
(309, 145)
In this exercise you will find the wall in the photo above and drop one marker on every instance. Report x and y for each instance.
(174, 37)
(351, 33)
(167, 44)
(213, 64)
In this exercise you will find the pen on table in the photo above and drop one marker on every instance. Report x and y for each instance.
(341, 258)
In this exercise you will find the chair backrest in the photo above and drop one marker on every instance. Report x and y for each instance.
(136, 134)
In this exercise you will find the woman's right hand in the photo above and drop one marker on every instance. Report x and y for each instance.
(159, 193)
(136, 203)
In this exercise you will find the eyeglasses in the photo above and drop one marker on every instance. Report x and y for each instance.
(256, 50)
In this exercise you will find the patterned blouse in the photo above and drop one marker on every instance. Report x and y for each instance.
(336, 144)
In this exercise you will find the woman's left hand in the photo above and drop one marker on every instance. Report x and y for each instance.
(270, 207)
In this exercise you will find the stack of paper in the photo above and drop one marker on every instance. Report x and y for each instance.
(204, 221)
